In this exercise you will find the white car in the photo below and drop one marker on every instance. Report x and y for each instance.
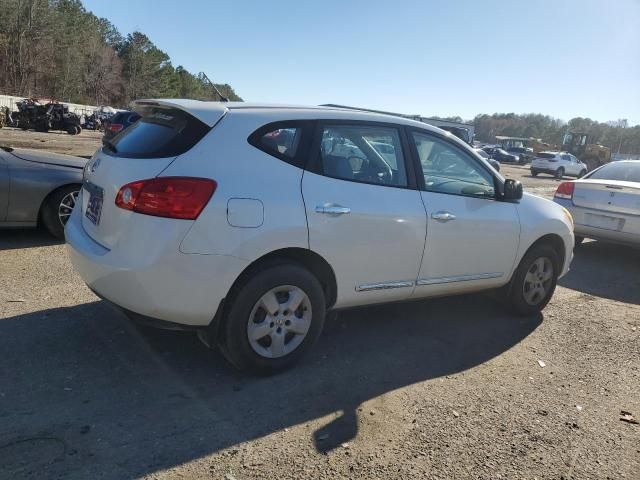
(558, 164)
(605, 204)
(248, 223)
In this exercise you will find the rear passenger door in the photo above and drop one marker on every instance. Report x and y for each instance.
(364, 214)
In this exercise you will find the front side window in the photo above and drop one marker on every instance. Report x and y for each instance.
(363, 153)
(447, 169)
(566, 158)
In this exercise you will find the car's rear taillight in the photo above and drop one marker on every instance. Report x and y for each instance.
(172, 197)
(565, 190)
(115, 127)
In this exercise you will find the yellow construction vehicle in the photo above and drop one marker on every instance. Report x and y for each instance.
(579, 144)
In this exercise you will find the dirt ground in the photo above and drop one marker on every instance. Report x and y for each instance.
(82, 145)
(446, 388)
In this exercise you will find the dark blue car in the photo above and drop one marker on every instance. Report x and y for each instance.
(118, 123)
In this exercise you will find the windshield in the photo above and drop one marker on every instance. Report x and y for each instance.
(622, 171)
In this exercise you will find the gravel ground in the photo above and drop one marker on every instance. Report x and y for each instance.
(446, 388)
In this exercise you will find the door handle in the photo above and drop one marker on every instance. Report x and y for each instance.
(332, 209)
(444, 216)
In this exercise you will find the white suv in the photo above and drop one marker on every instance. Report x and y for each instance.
(248, 223)
(558, 164)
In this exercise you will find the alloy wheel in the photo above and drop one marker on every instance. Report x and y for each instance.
(66, 207)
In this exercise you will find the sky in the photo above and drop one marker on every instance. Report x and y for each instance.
(564, 58)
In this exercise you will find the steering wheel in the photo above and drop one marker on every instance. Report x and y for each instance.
(371, 174)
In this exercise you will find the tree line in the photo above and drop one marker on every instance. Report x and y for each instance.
(57, 49)
(617, 134)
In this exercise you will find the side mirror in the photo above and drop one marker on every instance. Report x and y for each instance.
(512, 189)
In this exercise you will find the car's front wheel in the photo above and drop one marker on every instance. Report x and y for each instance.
(535, 280)
(560, 173)
(534, 173)
(273, 319)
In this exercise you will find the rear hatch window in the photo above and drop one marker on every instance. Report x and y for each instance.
(160, 133)
(623, 171)
(545, 155)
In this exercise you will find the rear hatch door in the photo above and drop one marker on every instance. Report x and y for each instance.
(140, 152)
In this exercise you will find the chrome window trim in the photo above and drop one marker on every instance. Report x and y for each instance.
(384, 286)
(459, 278)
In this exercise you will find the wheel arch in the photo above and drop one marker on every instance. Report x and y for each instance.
(306, 258)
(555, 241)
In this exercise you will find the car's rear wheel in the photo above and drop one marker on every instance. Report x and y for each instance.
(560, 173)
(534, 173)
(273, 319)
(582, 173)
(57, 209)
(535, 280)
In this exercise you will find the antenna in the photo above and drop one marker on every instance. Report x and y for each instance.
(222, 97)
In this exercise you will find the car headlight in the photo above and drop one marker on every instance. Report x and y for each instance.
(568, 216)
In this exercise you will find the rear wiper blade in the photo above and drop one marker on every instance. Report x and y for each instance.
(109, 144)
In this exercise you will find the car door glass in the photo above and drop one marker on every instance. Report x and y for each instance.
(566, 158)
(447, 169)
(363, 153)
(281, 141)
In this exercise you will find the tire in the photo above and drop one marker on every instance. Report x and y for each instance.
(582, 173)
(560, 173)
(71, 130)
(578, 241)
(78, 129)
(259, 355)
(534, 173)
(55, 213)
(522, 299)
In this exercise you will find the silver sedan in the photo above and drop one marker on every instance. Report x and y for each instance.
(38, 187)
(605, 204)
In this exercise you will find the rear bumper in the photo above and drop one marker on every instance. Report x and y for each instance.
(587, 231)
(159, 283)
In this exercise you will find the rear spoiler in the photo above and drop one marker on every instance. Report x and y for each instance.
(208, 113)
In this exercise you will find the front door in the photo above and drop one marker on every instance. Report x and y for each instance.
(472, 238)
(363, 216)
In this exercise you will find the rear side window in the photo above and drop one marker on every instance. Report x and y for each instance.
(161, 132)
(281, 141)
(287, 140)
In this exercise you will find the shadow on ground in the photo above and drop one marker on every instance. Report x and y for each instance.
(605, 270)
(26, 238)
(83, 394)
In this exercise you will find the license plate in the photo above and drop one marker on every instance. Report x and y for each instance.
(604, 221)
(94, 205)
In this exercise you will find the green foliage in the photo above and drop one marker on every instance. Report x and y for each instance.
(57, 49)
